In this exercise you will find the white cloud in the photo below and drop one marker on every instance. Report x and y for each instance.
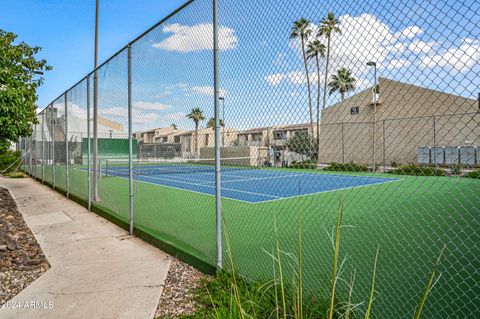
(184, 38)
(175, 116)
(364, 38)
(398, 63)
(150, 106)
(419, 46)
(409, 32)
(460, 58)
(398, 47)
(275, 79)
(207, 90)
(294, 77)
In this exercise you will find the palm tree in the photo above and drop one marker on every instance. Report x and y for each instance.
(197, 116)
(342, 82)
(328, 27)
(301, 30)
(211, 123)
(316, 50)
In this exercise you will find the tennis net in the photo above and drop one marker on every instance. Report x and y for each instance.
(120, 167)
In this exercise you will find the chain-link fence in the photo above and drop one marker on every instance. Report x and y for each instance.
(374, 104)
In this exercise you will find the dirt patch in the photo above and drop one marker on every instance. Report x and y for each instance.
(21, 258)
(178, 298)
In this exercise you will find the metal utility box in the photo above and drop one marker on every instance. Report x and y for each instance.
(423, 155)
(438, 155)
(451, 155)
(467, 155)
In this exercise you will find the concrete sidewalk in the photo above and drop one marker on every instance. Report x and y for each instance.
(97, 270)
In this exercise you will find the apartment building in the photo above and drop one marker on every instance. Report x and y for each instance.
(391, 127)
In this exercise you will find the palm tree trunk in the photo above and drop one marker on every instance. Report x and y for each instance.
(326, 75)
(318, 98)
(196, 138)
(342, 93)
(308, 85)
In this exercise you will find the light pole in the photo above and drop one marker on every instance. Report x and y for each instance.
(374, 91)
(221, 98)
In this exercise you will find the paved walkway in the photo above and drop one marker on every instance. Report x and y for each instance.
(97, 270)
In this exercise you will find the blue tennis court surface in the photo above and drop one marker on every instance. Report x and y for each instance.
(252, 185)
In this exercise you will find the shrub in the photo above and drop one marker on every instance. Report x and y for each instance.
(7, 159)
(416, 170)
(346, 167)
(304, 165)
(473, 174)
(301, 143)
(457, 169)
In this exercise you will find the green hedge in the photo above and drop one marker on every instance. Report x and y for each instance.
(346, 167)
(7, 159)
(473, 174)
(304, 165)
(416, 170)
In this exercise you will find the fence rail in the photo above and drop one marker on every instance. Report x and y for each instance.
(384, 114)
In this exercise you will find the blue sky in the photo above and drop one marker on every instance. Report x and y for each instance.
(431, 44)
(65, 31)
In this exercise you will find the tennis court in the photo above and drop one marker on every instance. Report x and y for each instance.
(247, 184)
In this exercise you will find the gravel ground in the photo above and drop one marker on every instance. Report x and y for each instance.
(177, 297)
(21, 259)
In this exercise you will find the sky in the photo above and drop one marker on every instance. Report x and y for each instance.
(65, 31)
(262, 74)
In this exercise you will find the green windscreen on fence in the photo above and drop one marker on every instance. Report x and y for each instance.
(110, 147)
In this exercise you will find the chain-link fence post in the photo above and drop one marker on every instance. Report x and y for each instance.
(67, 158)
(130, 136)
(32, 150)
(89, 169)
(384, 146)
(216, 84)
(43, 147)
(343, 144)
(52, 126)
(95, 112)
(435, 141)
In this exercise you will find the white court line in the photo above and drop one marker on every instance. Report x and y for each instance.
(254, 178)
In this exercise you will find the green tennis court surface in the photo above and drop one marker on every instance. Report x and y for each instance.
(410, 220)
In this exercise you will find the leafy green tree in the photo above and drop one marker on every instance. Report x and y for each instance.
(301, 143)
(342, 82)
(197, 116)
(328, 27)
(302, 30)
(211, 123)
(19, 80)
(316, 50)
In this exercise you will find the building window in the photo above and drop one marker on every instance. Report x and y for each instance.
(164, 139)
(279, 135)
(206, 140)
(177, 139)
(257, 137)
(302, 132)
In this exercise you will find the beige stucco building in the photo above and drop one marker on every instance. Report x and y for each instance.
(390, 127)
